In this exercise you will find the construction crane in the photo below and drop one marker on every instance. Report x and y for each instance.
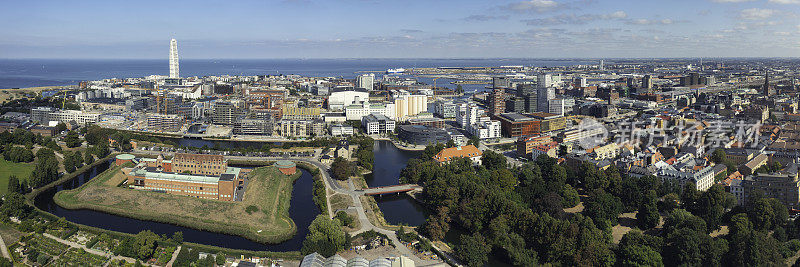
(64, 102)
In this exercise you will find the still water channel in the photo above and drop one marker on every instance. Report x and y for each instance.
(389, 161)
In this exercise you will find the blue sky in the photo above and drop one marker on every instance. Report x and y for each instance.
(401, 29)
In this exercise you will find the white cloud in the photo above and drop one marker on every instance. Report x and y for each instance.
(785, 1)
(757, 13)
(652, 21)
(573, 19)
(618, 15)
(534, 5)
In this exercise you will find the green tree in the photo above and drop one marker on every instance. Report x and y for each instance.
(680, 219)
(344, 218)
(341, 168)
(60, 127)
(145, 243)
(72, 139)
(13, 184)
(69, 162)
(712, 204)
(101, 149)
(603, 206)
(88, 158)
(177, 237)
(569, 196)
(220, 259)
(14, 206)
(78, 159)
(493, 160)
(474, 250)
(325, 236)
(639, 256)
(719, 156)
(648, 216)
(762, 214)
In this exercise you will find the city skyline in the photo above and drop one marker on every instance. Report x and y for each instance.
(413, 29)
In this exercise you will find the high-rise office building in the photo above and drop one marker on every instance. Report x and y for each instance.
(543, 96)
(544, 80)
(497, 100)
(365, 81)
(174, 68)
(581, 82)
(647, 82)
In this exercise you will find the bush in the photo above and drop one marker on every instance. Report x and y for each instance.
(345, 218)
(92, 242)
(42, 259)
(250, 209)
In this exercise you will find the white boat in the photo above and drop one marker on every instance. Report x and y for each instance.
(401, 70)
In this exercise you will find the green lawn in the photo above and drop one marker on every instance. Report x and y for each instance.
(7, 168)
(268, 189)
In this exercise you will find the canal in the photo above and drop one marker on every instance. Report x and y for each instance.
(389, 161)
(302, 211)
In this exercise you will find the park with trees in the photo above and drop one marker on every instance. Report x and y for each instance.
(517, 215)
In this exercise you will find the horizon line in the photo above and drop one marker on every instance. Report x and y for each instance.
(422, 58)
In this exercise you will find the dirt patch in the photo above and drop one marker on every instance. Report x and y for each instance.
(341, 201)
(626, 222)
(577, 209)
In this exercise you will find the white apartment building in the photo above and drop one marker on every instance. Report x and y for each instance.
(703, 179)
(485, 128)
(357, 111)
(377, 123)
(366, 81)
(78, 116)
(340, 130)
(467, 114)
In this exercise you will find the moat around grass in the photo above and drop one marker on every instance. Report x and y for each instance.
(262, 215)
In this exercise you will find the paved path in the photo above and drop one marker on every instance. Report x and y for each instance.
(4, 249)
(174, 256)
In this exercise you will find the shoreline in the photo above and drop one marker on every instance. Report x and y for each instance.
(398, 146)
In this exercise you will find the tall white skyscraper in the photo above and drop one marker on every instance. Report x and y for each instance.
(365, 81)
(174, 68)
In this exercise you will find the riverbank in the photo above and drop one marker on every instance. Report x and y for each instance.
(269, 191)
(398, 145)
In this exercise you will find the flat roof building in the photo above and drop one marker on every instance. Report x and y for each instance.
(422, 135)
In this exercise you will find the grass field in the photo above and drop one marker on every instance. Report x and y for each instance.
(10, 93)
(7, 168)
(268, 189)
